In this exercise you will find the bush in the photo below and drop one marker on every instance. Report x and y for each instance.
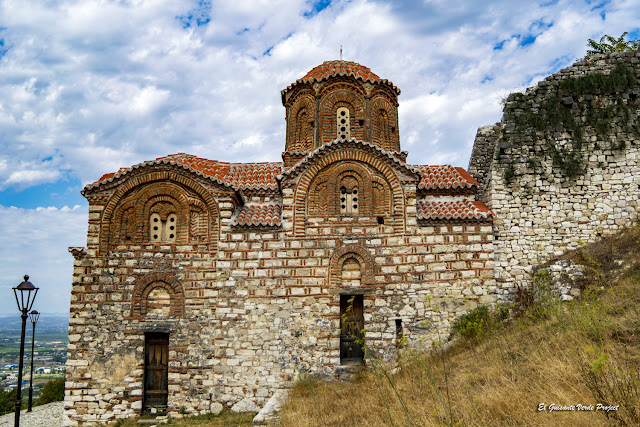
(8, 401)
(53, 391)
(474, 324)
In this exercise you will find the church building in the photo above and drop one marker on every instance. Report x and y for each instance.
(207, 284)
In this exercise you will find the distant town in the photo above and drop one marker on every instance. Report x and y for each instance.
(49, 353)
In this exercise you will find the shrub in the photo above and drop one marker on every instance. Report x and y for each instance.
(8, 401)
(53, 391)
(474, 324)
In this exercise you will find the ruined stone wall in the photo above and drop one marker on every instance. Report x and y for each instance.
(249, 316)
(563, 166)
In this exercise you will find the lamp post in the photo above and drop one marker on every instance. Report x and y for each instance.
(25, 302)
(34, 319)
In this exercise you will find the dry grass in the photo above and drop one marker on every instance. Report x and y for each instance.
(584, 352)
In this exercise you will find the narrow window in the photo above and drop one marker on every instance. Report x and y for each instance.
(399, 333)
(155, 228)
(343, 123)
(351, 326)
(349, 196)
(170, 232)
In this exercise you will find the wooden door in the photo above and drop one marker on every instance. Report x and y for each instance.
(351, 326)
(156, 372)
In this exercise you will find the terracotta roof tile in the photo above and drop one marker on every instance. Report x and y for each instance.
(210, 168)
(254, 175)
(253, 214)
(455, 209)
(330, 69)
(236, 175)
(444, 177)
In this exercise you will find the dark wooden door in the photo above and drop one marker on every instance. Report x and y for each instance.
(156, 372)
(351, 326)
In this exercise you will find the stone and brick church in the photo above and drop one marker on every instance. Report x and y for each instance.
(206, 284)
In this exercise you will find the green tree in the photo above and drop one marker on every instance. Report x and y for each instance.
(8, 401)
(53, 391)
(611, 44)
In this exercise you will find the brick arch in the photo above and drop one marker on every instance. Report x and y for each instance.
(336, 96)
(144, 178)
(148, 283)
(380, 203)
(336, 173)
(364, 258)
(384, 131)
(348, 154)
(116, 222)
(170, 193)
(295, 141)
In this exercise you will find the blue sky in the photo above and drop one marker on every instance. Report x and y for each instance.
(89, 86)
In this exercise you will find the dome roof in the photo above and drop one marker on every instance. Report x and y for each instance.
(329, 69)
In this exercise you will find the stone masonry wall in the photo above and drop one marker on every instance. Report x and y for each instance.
(564, 164)
(263, 307)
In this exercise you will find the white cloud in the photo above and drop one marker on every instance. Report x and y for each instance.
(35, 242)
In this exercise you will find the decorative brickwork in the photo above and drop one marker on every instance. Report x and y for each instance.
(126, 217)
(358, 255)
(207, 284)
(151, 282)
(313, 105)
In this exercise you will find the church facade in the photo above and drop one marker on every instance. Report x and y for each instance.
(207, 284)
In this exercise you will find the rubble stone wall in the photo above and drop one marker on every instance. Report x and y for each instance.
(563, 165)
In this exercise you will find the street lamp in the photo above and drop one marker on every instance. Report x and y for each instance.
(25, 302)
(34, 319)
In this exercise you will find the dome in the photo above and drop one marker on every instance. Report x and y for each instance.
(329, 69)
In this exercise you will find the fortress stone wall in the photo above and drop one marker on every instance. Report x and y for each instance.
(563, 165)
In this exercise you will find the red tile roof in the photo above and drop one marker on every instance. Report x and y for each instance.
(253, 175)
(241, 176)
(263, 176)
(458, 209)
(251, 214)
(444, 177)
(330, 69)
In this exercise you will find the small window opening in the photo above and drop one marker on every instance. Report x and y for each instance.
(380, 220)
(399, 332)
(393, 129)
(361, 123)
(343, 123)
(163, 231)
(348, 200)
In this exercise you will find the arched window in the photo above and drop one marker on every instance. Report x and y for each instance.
(343, 123)
(349, 195)
(163, 230)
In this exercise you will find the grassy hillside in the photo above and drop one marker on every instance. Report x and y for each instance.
(546, 355)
